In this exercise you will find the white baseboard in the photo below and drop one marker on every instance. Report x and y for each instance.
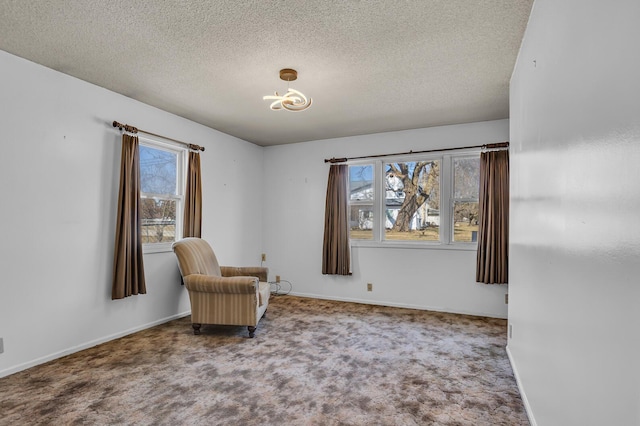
(397, 305)
(88, 345)
(523, 395)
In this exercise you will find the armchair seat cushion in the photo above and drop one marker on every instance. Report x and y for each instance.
(259, 272)
(264, 292)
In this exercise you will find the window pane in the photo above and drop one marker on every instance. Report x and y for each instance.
(361, 183)
(361, 198)
(466, 178)
(361, 222)
(466, 186)
(412, 200)
(158, 220)
(465, 222)
(158, 173)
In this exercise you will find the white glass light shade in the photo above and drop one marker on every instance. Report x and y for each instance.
(293, 101)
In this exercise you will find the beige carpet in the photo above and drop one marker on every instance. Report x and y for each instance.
(312, 362)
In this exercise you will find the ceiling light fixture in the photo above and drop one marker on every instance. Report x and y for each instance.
(293, 100)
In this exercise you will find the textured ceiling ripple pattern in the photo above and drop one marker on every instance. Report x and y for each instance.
(370, 66)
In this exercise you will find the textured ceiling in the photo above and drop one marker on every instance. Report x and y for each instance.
(370, 66)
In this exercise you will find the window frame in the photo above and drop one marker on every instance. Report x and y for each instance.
(181, 170)
(447, 199)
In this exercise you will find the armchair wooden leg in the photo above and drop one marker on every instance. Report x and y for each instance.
(252, 331)
(196, 328)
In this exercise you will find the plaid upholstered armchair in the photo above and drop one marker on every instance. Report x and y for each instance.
(221, 294)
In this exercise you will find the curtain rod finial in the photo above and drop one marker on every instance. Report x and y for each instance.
(334, 160)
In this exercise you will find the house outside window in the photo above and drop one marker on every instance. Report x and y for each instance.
(415, 201)
(162, 169)
(361, 201)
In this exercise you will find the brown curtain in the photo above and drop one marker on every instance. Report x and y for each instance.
(193, 198)
(493, 234)
(128, 268)
(335, 251)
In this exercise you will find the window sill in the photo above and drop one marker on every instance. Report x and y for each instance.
(156, 248)
(419, 246)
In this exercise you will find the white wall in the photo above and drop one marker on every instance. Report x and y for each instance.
(575, 234)
(59, 171)
(295, 188)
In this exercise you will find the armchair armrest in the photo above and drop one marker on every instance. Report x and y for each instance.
(260, 272)
(228, 285)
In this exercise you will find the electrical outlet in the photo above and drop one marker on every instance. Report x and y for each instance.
(1, 345)
(510, 331)
(506, 298)
(264, 257)
(277, 278)
(369, 287)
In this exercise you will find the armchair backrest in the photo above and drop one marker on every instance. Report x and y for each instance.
(195, 256)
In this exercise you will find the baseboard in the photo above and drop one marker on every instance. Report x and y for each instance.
(523, 395)
(397, 305)
(88, 345)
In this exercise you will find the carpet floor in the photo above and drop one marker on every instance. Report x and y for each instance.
(312, 362)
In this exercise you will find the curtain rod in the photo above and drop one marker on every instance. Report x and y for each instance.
(132, 129)
(500, 145)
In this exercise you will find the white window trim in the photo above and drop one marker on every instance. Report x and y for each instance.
(148, 248)
(446, 204)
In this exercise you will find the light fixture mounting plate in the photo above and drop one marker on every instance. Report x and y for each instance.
(288, 74)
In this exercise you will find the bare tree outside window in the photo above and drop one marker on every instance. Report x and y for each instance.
(159, 194)
(401, 200)
(466, 186)
(412, 200)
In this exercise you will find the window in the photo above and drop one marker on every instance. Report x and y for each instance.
(466, 186)
(361, 201)
(417, 200)
(161, 194)
(412, 200)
